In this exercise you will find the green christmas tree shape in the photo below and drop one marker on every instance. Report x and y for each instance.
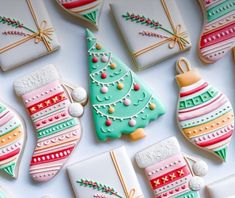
(121, 103)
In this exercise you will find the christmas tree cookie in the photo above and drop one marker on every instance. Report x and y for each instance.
(121, 104)
(55, 108)
(87, 10)
(12, 140)
(205, 115)
(218, 35)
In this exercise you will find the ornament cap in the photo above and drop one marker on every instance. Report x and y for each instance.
(187, 75)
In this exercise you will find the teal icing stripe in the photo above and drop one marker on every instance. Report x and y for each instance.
(2, 108)
(189, 194)
(220, 10)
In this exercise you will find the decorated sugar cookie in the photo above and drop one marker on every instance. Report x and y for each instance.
(218, 34)
(3, 193)
(12, 140)
(87, 10)
(54, 108)
(205, 115)
(121, 104)
(170, 172)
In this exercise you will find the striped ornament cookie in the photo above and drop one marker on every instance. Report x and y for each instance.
(205, 115)
(218, 35)
(12, 140)
(54, 111)
(87, 10)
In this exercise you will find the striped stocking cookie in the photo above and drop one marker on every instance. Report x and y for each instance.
(205, 115)
(87, 10)
(54, 112)
(218, 35)
(12, 140)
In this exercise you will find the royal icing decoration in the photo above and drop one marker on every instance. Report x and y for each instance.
(87, 10)
(218, 35)
(26, 28)
(169, 171)
(55, 115)
(222, 188)
(150, 28)
(205, 115)
(118, 181)
(12, 140)
(120, 103)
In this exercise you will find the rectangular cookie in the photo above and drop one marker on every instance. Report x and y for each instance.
(105, 176)
(26, 33)
(153, 30)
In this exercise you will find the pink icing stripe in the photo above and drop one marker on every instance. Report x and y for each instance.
(3, 114)
(202, 111)
(161, 166)
(6, 119)
(42, 93)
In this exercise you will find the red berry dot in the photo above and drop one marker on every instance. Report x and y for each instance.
(103, 75)
(95, 60)
(108, 122)
(136, 87)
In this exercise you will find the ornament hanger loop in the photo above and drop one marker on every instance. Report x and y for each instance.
(183, 65)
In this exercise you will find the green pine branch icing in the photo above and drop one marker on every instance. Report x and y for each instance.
(98, 187)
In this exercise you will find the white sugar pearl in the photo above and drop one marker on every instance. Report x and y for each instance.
(104, 59)
(132, 123)
(127, 102)
(104, 90)
(79, 94)
(200, 168)
(196, 183)
(76, 110)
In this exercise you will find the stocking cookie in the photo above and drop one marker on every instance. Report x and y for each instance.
(87, 10)
(205, 115)
(218, 34)
(121, 104)
(55, 115)
(171, 173)
(12, 140)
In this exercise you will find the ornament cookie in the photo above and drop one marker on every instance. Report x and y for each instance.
(55, 115)
(218, 34)
(222, 188)
(117, 181)
(25, 28)
(149, 28)
(12, 140)
(86, 10)
(121, 104)
(205, 115)
(169, 171)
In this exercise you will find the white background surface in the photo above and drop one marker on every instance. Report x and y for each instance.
(71, 60)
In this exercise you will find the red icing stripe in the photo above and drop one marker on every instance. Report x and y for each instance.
(47, 103)
(51, 157)
(201, 87)
(170, 177)
(216, 140)
(74, 4)
(9, 155)
(224, 33)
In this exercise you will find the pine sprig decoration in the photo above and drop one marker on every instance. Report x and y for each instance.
(99, 187)
(11, 22)
(142, 19)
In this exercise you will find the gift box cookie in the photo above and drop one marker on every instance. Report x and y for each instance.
(24, 28)
(112, 177)
(170, 172)
(152, 30)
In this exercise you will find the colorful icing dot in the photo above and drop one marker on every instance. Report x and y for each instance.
(120, 86)
(126, 102)
(136, 87)
(98, 46)
(111, 110)
(104, 59)
(113, 65)
(152, 106)
(95, 59)
(108, 122)
(103, 75)
(104, 90)
(132, 122)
